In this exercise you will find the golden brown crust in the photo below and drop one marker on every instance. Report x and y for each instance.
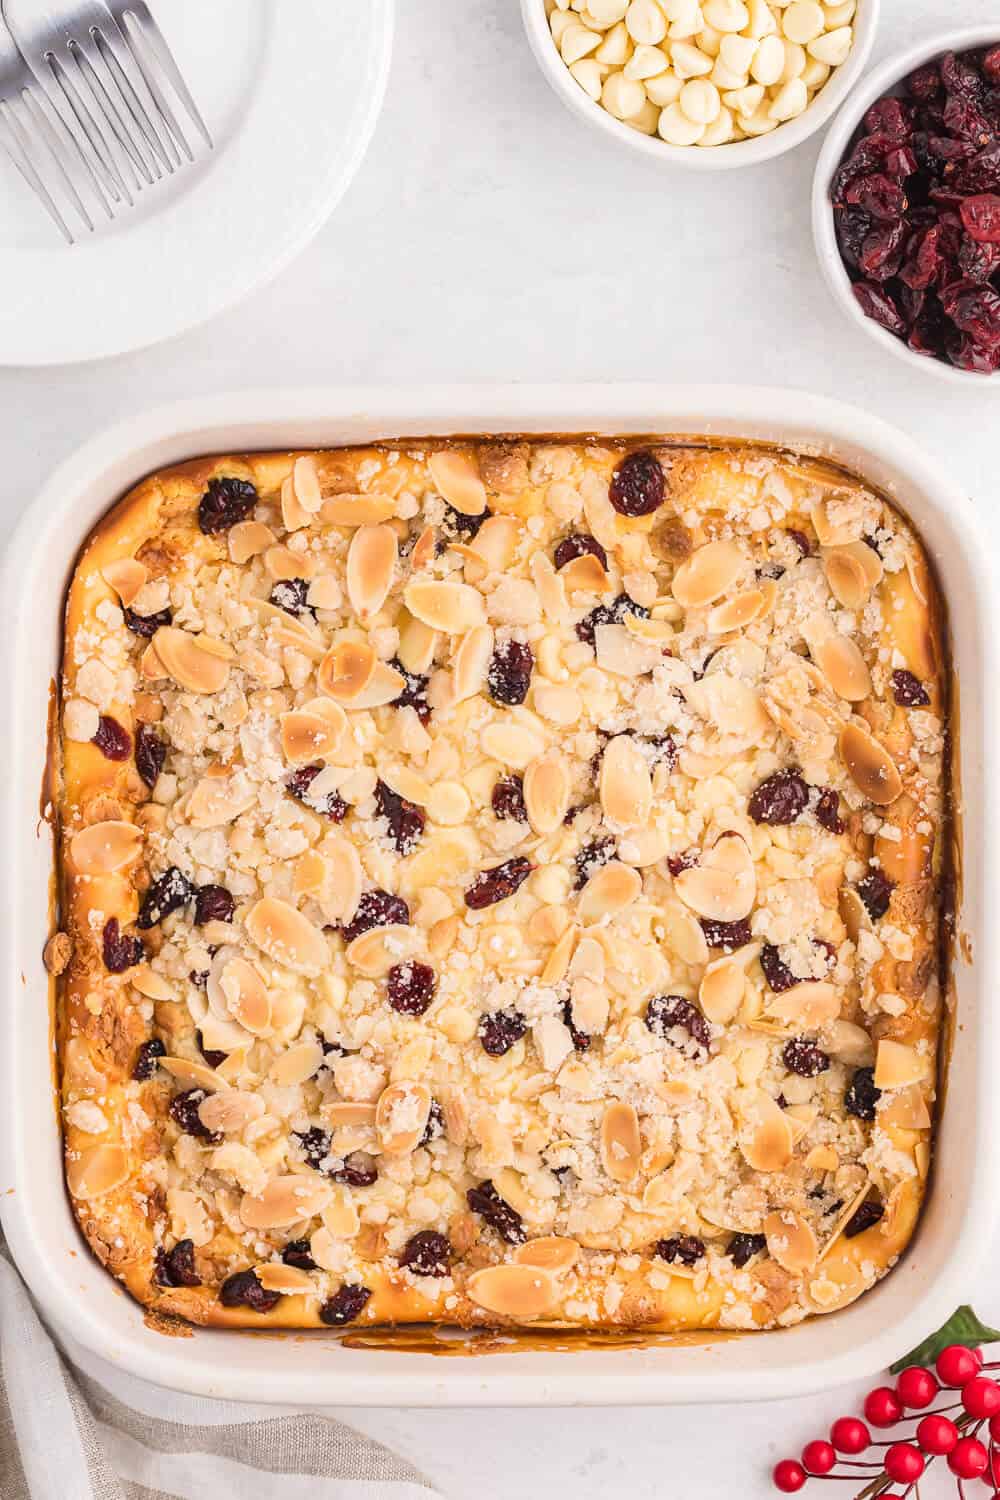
(751, 656)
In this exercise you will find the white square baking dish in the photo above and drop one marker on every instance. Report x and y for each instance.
(73, 1291)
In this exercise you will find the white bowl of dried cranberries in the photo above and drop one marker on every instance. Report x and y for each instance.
(906, 206)
(706, 84)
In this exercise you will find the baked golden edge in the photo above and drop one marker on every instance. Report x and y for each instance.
(116, 1226)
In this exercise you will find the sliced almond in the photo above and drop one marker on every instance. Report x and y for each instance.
(721, 991)
(683, 935)
(293, 514)
(836, 524)
(791, 1241)
(247, 999)
(626, 787)
(871, 563)
(126, 576)
(105, 847)
(193, 1075)
(375, 953)
(767, 1142)
(897, 1065)
(906, 1110)
(341, 1217)
(724, 885)
(496, 542)
(456, 478)
(151, 668)
(452, 608)
(738, 612)
(621, 1143)
(286, 1200)
(299, 1063)
(289, 1280)
(401, 1116)
(305, 478)
(511, 743)
(843, 666)
(248, 539)
(709, 572)
(809, 1004)
(513, 1291)
(546, 792)
(230, 1111)
(384, 686)
(848, 1043)
(554, 1252)
(847, 579)
(557, 963)
(283, 564)
(191, 660)
(288, 937)
(149, 983)
(217, 800)
(97, 1172)
(624, 654)
(341, 891)
(357, 510)
(472, 660)
(608, 891)
(587, 573)
(344, 1114)
(346, 670)
(417, 644)
(371, 561)
(424, 550)
(822, 1159)
(854, 914)
(308, 736)
(869, 765)
(732, 706)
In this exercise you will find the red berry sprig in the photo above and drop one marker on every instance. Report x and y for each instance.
(964, 1430)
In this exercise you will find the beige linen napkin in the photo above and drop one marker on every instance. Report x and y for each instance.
(64, 1435)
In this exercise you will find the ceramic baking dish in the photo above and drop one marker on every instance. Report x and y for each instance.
(84, 1303)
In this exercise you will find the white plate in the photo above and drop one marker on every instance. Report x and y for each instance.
(291, 90)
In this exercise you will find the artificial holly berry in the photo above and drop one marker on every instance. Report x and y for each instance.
(904, 1463)
(818, 1457)
(956, 1365)
(981, 1397)
(883, 1407)
(937, 1434)
(789, 1476)
(995, 1429)
(968, 1459)
(916, 1387)
(850, 1435)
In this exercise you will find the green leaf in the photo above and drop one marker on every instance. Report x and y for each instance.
(963, 1327)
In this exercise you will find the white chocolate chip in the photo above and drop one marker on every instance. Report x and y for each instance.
(589, 75)
(725, 78)
(646, 62)
(665, 89)
(622, 97)
(790, 100)
(700, 101)
(607, 12)
(833, 47)
(769, 62)
(838, 15)
(615, 48)
(577, 41)
(745, 101)
(762, 22)
(737, 52)
(726, 15)
(814, 74)
(645, 22)
(689, 62)
(803, 21)
(677, 129)
(795, 61)
(709, 41)
(720, 130)
(760, 122)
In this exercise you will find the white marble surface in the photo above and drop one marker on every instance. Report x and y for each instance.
(490, 236)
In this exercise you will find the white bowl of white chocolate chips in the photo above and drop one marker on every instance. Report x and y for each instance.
(740, 80)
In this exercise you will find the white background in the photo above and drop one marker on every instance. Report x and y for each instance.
(491, 236)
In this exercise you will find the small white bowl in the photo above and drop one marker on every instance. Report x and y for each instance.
(884, 79)
(704, 158)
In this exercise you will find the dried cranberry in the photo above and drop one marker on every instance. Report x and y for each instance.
(112, 739)
(509, 675)
(665, 1013)
(499, 1030)
(727, 935)
(882, 252)
(435, 1127)
(870, 1212)
(199, 978)
(678, 863)
(780, 799)
(592, 857)
(685, 1248)
(150, 754)
(297, 1253)
(359, 1170)
(487, 1202)
(908, 690)
(184, 1113)
(405, 820)
(743, 1247)
(876, 303)
(414, 694)
(925, 82)
(777, 973)
(578, 544)
(315, 1143)
(224, 503)
(828, 811)
(960, 77)
(213, 903)
(609, 614)
(146, 1059)
(508, 799)
(377, 909)
(146, 626)
(876, 892)
(978, 260)
(991, 65)
(637, 485)
(292, 595)
(344, 1306)
(581, 1039)
(427, 1253)
(457, 523)
(411, 987)
(889, 117)
(923, 264)
(121, 950)
(852, 226)
(862, 1096)
(804, 1058)
(331, 805)
(176, 1267)
(491, 886)
(878, 195)
(168, 894)
(214, 1058)
(242, 1289)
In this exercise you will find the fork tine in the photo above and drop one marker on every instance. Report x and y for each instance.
(12, 136)
(88, 125)
(147, 23)
(46, 131)
(122, 67)
(109, 109)
(137, 40)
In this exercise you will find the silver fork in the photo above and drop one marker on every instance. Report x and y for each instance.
(32, 140)
(105, 69)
